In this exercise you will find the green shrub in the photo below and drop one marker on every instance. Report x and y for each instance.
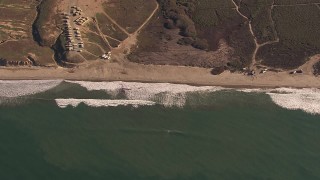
(185, 41)
(316, 69)
(218, 70)
(200, 44)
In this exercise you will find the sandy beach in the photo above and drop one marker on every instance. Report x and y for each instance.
(127, 71)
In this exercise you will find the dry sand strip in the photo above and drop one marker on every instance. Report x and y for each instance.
(103, 71)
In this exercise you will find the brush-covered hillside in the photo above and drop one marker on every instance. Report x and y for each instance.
(225, 34)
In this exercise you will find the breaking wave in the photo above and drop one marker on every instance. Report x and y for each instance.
(19, 88)
(137, 94)
(163, 93)
(306, 99)
(167, 94)
(63, 103)
(11, 91)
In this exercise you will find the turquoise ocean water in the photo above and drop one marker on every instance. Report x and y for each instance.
(224, 135)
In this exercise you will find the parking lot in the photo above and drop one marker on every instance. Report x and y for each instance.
(72, 22)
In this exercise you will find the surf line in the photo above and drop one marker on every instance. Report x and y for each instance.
(63, 103)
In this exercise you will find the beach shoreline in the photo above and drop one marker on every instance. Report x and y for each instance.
(132, 72)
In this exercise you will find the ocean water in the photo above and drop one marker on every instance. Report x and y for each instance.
(141, 131)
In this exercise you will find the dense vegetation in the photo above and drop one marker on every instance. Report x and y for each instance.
(259, 13)
(45, 30)
(288, 30)
(295, 2)
(202, 24)
(298, 29)
(316, 68)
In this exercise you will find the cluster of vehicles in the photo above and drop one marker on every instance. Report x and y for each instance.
(106, 56)
(18, 63)
(265, 70)
(76, 11)
(81, 20)
(71, 45)
(72, 33)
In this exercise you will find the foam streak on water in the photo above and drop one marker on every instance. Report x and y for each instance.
(164, 93)
(63, 103)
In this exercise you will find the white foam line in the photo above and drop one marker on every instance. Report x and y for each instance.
(63, 103)
(164, 93)
(251, 90)
(307, 100)
(26, 87)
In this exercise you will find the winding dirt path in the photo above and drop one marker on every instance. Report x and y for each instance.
(126, 45)
(90, 53)
(149, 18)
(112, 38)
(257, 44)
(96, 45)
(251, 31)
